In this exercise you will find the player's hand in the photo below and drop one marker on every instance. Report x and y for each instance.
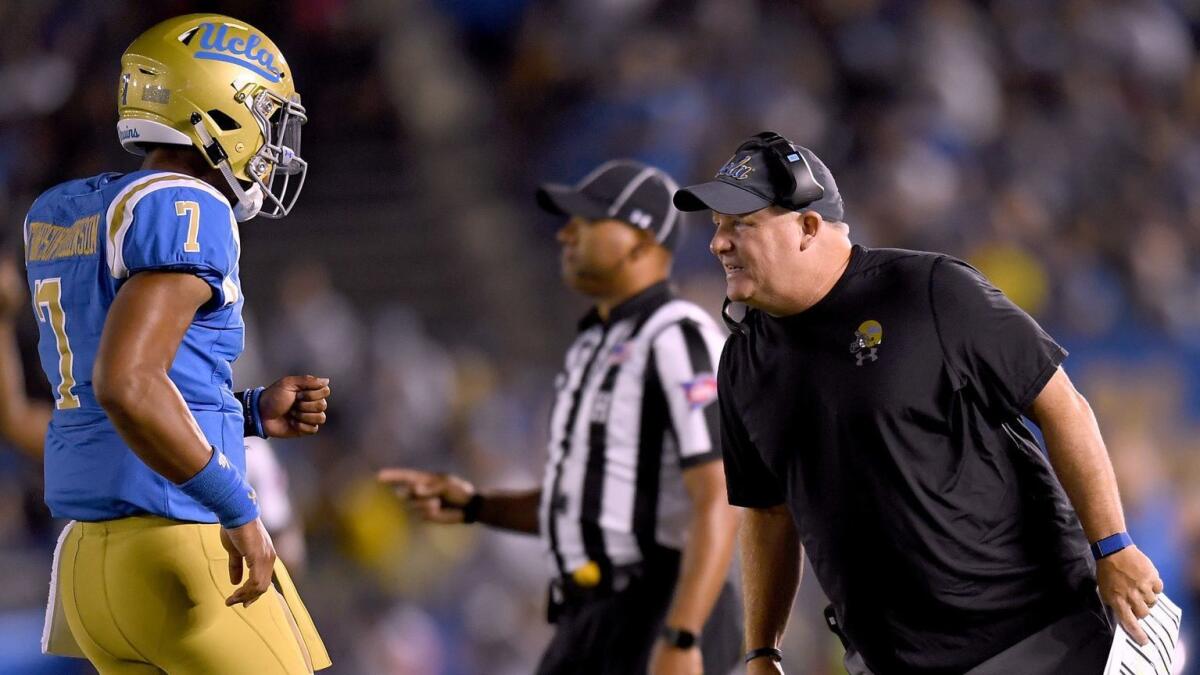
(13, 292)
(668, 660)
(1129, 583)
(437, 497)
(294, 406)
(250, 544)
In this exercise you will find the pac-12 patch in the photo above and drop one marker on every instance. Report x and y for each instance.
(701, 390)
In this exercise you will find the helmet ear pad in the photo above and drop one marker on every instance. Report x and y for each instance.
(790, 175)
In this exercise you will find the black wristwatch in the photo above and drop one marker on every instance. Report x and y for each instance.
(678, 637)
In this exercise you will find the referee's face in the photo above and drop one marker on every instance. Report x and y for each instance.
(595, 253)
(756, 251)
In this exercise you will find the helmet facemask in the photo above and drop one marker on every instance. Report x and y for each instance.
(280, 121)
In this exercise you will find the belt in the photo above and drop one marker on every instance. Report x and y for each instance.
(589, 583)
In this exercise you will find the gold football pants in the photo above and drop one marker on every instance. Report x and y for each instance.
(144, 595)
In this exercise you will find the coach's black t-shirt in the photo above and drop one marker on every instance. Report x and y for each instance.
(888, 418)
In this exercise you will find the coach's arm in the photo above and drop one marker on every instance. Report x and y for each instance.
(142, 332)
(446, 499)
(772, 563)
(1128, 580)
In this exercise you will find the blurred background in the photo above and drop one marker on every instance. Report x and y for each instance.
(1053, 144)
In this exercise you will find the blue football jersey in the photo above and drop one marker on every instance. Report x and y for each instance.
(83, 240)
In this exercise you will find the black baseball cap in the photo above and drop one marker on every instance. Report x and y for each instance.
(767, 169)
(622, 189)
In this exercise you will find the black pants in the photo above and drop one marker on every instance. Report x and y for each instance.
(612, 633)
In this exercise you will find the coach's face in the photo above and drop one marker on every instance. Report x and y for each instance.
(759, 252)
(594, 252)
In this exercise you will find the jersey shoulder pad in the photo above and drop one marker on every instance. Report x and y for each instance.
(171, 221)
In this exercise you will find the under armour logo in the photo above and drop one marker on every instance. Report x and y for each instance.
(641, 218)
(867, 339)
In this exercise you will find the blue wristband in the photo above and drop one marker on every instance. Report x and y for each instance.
(1110, 545)
(252, 417)
(222, 489)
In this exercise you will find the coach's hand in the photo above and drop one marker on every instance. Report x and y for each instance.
(668, 660)
(1129, 583)
(252, 544)
(437, 497)
(294, 406)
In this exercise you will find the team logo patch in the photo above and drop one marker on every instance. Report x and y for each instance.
(701, 391)
(867, 339)
(245, 52)
(737, 170)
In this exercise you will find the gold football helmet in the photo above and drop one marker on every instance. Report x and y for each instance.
(220, 85)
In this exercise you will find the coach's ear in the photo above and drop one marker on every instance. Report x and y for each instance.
(810, 223)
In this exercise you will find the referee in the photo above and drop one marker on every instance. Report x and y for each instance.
(871, 408)
(633, 508)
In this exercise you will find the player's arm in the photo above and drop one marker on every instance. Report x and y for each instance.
(23, 421)
(142, 332)
(712, 530)
(144, 329)
(772, 563)
(446, 498)
(1128, 580)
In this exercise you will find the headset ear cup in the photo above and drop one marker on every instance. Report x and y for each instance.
(803, 188)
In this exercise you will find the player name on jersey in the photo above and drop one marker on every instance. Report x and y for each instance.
(48, 241)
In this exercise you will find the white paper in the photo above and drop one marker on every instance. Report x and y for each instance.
(1158, 657)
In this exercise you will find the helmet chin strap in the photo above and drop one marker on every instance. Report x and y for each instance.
(249, 202)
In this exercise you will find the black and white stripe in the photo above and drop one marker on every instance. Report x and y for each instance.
(623, 430)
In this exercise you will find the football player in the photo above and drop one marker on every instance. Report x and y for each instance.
(166, 565)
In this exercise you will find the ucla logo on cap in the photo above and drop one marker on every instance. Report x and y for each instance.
(215, 45)
(739, 170)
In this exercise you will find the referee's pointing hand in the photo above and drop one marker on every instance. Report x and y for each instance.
(437, 497)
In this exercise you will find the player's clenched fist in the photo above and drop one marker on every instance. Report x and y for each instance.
(294, 406)
(1129, 583)
(437, 497)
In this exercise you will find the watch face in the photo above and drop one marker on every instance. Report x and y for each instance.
(683, 639)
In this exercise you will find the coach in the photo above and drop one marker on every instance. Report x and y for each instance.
(633, 508)
(871, 411)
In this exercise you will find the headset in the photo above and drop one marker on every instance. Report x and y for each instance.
(792, 179)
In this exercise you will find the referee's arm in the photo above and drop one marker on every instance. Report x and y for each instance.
(446, 498)
(685, 357)
(709, 548)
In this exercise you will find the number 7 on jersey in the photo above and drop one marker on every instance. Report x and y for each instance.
(47, 295)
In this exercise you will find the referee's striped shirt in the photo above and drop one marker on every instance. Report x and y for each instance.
(635, 407)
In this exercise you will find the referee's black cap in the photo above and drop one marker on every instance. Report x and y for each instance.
(621, 189)
(767, 169)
